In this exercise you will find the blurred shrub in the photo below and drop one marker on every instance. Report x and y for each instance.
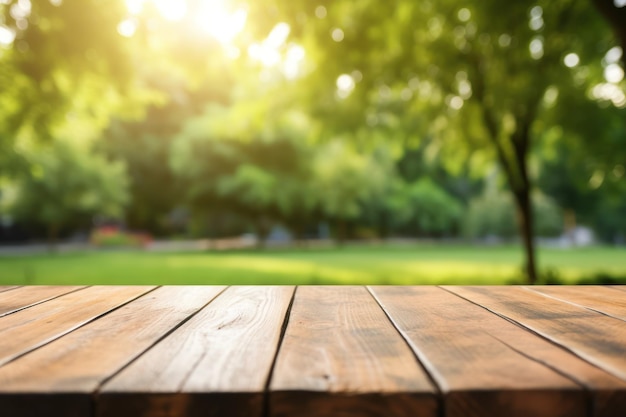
(494, 214)
(548, 216)
(112, 237)
(603, 278)
(431, 210)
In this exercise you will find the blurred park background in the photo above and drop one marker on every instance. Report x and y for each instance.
(293, 141)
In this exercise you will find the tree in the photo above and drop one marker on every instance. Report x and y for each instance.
(243, 159)
(343, 184)
(68, 182)
(493, 215)
(434, 211)
(145, 145)
(482, 70)
(65, 56)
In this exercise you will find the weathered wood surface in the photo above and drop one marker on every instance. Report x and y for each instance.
(78, 363)
(4, 288)
(29, 329)
(341, 356)
(601, 299)
(21, 298)
(313, 351)
(595, 337)
(467, 351)
(227, 348)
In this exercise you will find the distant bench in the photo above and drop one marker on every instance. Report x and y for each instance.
(312, 351)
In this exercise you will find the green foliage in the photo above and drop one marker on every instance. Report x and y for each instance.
(434, 211)
(548, 216)
(494, 215)
(239, 160)
(68, 181)
(65, 57)
(342, 180)
(491, 215)
(449, 89)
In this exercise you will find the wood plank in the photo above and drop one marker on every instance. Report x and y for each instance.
(608, 392)
(74, 366)
(599, 339)
(29, 329)
(598, 298)
(216, 364)
(618, 287)
(465, 350)
(341, 356)
(4, 288)
(25, 297)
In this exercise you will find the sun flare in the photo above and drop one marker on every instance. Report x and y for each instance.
(217, 20)
(213, 17)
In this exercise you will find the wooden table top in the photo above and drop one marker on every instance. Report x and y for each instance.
(312, 351)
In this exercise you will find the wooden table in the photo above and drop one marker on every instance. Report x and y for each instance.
(312, 351)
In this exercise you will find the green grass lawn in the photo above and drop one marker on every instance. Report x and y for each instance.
(415, 264)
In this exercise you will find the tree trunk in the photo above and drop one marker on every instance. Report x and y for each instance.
(298, 233)
(263, 229)
(512, 155)
(341, 232)
(383, 225)
(53, 236)
(525, 224)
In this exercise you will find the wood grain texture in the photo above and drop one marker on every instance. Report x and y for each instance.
(203, 351)
(216, 364)
(618, 287)
(599, 339)
(25, 297)
(464, 350)
(341, 356)
(4, 288)
(29, 329)
(74, 366)
(601, 299)
(607, 391)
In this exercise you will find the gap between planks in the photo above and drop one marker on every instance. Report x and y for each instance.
(26, 297)
(441, 411)
(266, 411)
(597, 370)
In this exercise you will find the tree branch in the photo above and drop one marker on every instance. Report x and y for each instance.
(489, 119)
(616, 17)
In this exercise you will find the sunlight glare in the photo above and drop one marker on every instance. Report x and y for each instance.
(293, 61)
(613, 55)
(212, 17)
(172, 10)
(216, 20)
(269, 57)
(127, 28)
(345, 85)
(610, 92)
(7, 36)
(337, 34)
(571, 60)
(268, 52)
(278, 35)
(536, 48)
(134, 7)
(613, 73)
(320, 12)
